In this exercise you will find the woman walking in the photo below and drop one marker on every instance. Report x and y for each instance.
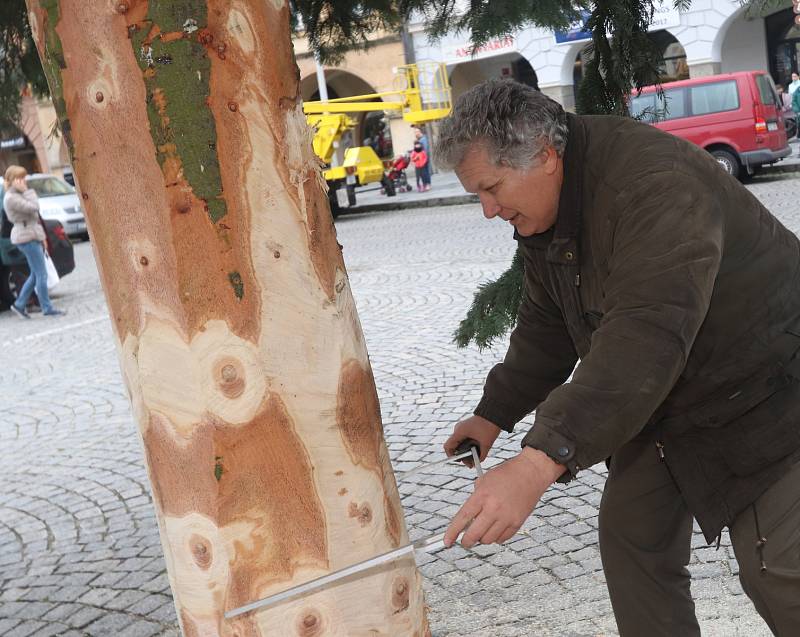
(22, 209)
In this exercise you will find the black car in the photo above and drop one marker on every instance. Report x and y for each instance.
(14, 267)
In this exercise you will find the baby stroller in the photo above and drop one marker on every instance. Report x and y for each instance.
(397, 173)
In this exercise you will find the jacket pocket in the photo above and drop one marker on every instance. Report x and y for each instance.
(763, 435)
(753, 424)
(733, 402)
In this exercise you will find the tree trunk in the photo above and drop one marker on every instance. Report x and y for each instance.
(238, 336)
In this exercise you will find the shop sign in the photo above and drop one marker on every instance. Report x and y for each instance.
(15, 143)
(665, 16)
(466, 52)
(577, 31)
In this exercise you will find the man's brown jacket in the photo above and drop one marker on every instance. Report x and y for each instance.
(679, 293)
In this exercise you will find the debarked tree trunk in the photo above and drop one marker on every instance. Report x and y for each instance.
(237, 332)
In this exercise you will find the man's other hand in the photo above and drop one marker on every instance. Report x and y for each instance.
(503, 499)
(483, 431)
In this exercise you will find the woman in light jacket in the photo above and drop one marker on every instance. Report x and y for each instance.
(22, 209)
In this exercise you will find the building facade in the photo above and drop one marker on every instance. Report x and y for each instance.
(36, 144)
(713, 36)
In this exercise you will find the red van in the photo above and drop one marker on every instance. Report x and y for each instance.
(735, 116)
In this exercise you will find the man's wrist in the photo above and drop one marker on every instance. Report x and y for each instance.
(542, 463)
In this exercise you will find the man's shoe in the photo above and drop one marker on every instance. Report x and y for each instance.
(55, 312)
(20, 312)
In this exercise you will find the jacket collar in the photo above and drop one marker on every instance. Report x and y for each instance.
(561, 241)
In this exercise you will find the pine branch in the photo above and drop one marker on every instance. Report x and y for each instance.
(494, 309)
(19, 63)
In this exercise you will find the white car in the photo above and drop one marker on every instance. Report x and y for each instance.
(58, 200)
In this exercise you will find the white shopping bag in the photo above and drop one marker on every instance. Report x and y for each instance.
(52, 274)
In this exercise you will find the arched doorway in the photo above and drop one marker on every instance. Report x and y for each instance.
(783, 44)
(673, 66)
(372, 129)
(509, 65)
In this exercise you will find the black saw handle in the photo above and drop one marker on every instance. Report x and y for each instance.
(467, 445)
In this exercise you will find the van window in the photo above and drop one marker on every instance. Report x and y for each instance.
(766, 92)
(653, 108)
(714, 98)
(643, 106)
(674, 103)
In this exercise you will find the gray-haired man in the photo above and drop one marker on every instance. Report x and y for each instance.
(678, 293)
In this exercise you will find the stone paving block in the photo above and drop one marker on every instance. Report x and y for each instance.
(708, 570)
(497, 582)
(28, 627)
(467, 563)
(125, 599)
(28, 610)
(109, 624)
(108, 579)
(61, 612)
(7, 624)
(551, 561)
(13, 594)
(50, 630)
(165, 613)
(483, 571)
(148, 604)
(565, 544)
(98, 596)
(485, 550)
(567, 571)
(69, 593)
(504, 558)
(146, 581)
(577, 528)
(436, 568)
(141, 628)
(86, 615)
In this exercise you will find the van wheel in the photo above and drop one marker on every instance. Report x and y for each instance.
(727, 160)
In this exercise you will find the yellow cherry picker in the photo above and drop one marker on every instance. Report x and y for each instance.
(424, 96)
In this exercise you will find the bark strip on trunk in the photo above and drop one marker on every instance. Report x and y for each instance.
(238, 336)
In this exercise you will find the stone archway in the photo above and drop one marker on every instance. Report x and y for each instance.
(465, 75)
(372, 126)
(783, 44)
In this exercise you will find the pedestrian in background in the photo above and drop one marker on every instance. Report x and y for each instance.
(794, 84)
(420, 160)
(796, 109)
(422, 138)
(22, 208)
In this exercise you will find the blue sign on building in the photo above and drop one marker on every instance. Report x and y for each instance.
(577, 31)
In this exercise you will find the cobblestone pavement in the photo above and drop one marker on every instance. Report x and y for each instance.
(79, 546)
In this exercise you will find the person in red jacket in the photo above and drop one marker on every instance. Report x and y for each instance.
(420, 160)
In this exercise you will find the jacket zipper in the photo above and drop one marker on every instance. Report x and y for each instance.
(660, 449)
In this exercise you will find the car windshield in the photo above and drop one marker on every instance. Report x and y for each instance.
(50, 186)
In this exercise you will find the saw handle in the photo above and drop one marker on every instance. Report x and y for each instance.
(467, 445)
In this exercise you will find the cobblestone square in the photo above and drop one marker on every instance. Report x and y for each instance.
(79, 544)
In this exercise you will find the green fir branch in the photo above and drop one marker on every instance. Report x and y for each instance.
(494, 309)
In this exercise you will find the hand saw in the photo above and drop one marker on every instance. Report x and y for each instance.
(468, 449)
